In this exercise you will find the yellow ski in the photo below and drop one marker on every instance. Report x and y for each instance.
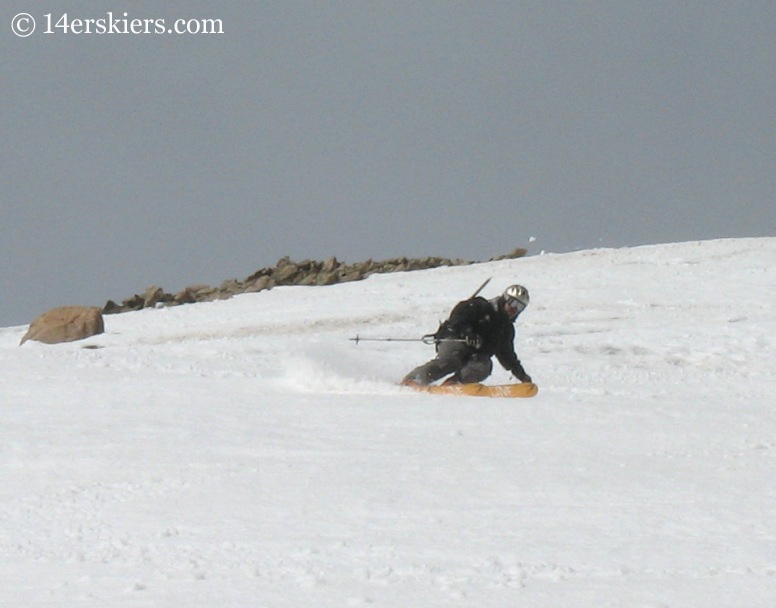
(526, 389)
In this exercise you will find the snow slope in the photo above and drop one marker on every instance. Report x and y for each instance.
(245, 453)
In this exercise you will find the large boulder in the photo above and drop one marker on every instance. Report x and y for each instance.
(66, 324)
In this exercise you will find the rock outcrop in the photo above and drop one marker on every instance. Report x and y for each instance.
(286, 272)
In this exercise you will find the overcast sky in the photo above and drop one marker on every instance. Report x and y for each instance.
(372, 129)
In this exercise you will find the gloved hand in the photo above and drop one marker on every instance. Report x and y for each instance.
(474, 341)
(525, 378)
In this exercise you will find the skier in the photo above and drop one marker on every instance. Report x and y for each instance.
(476, 330)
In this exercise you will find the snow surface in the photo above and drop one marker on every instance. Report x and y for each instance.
(245, 453)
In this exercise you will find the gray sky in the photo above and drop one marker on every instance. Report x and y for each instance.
(372, 129)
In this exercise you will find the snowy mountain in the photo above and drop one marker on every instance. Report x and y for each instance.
(246, 453)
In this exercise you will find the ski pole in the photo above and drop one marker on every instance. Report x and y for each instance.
(427, 339)
(480, 288)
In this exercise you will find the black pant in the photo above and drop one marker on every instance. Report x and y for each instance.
(465, 363)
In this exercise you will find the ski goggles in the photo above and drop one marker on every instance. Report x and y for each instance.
(514, 307)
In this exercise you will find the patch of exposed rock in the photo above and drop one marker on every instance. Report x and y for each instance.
(286, 272)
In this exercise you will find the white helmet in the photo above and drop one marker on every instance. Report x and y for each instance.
(515, 298)
(517, 292)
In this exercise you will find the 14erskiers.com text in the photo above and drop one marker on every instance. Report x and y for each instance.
(124, 25)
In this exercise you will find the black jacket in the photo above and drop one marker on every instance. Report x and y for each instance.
(485, 322)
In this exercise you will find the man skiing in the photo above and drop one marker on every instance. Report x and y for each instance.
(476, 330)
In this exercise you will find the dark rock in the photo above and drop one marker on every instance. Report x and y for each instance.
(288, 272)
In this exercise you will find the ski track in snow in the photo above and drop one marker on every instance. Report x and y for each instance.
(244, 452)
